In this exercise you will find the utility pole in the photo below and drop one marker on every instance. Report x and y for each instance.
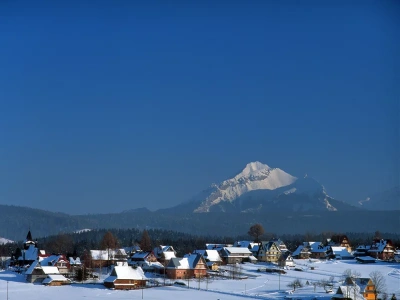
(279, 280)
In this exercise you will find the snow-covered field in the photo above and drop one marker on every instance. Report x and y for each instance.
(258, 285)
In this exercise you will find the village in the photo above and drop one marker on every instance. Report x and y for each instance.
(131, 268)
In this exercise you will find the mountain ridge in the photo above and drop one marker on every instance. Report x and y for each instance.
(258, 187)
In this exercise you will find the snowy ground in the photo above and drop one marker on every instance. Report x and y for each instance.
(258, 285)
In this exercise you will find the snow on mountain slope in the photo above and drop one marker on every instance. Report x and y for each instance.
(5, 241)
(255, 176)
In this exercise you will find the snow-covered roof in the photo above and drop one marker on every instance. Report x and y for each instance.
(57, 277)
(126, 272)
(237, 250)
(298, 250)
(167, 251)
(318, 247)
(379, 246)
(76, 261)
(32, 267)
(212, 255)
(189, 261)
(215, 246)
(51, 260)
(341, 251)
(169, 254)
(50, 270)
(140, 255)
(247, 244)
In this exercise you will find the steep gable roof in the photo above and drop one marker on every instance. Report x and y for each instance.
(189, 261)
(126, 272)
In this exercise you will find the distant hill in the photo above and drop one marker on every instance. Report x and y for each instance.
(16, 221)
(386, 200)
(5, 241)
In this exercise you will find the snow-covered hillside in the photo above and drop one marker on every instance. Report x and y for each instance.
(253, 285)
(5, 241)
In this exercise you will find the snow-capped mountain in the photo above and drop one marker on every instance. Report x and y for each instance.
(259, 187)
(255, 176)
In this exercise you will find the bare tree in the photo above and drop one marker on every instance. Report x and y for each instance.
(326, 284)
(379, 282)
(256, 231)
(349, 273)
(295, 284)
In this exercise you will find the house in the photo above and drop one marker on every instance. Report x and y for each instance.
(356, 289)
(286, 260)
(60, 261)
(38, 273)
(271, 251)
(189, 266)
(302, 252)
(341, 253)
(142, 256)
(124, 277)
(164, 253)
(361, 250)
(102, 258)
(382, 249)
(217, 247)
(233, 255)
(365, 259)
(212, 258)
(253, 247)
(319, 250)
(56, 280)
(339, 240)
(147, 261)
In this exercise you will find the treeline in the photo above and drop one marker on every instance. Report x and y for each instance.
(76, 244)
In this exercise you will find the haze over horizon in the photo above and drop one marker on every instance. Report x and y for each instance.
(123, 105)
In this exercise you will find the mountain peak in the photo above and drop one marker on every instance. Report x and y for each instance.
(254, 167)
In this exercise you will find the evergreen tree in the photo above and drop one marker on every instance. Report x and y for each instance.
(145, 242)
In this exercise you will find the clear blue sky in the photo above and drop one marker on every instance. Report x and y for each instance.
(113, 105)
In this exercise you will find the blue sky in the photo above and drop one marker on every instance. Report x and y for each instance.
(120, 104)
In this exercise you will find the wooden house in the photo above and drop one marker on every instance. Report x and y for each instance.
(56, 280)
(271, 251)
(212, 258)
(49, 275)
(189, 266)
(233, 255)
(355, 289)
(286, 260)
(302, 252)
(339, 240)
(164, 253)
(124, 277)
(382, 249)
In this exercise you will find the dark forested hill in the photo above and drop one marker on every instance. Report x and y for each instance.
(16, 221)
